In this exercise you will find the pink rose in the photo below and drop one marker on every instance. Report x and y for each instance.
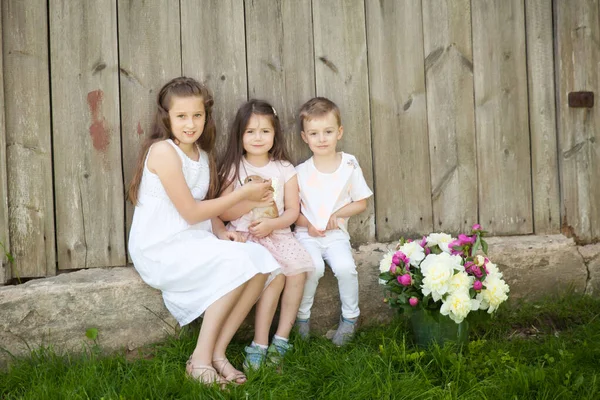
(464, 239)
(405, 280)
(477, 285)
(397, 257)
(413, 301)
(475, 270)
(469, 266)
(476, 227)
(392, 268)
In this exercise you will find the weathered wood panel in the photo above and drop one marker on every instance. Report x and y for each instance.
(542, 116)
(399, 118)
(450, 113)
(341, 74)
(578, 58)
(28, 138)
(5, 270)
(213, 50)
(280, 62)
(501, 114)
(86, 134)
(147, 60)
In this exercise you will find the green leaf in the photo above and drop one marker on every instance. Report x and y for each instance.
(484, 246)
(386, 276)
(476, 246)
(92, 333)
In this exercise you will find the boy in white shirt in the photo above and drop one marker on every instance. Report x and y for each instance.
(332, 189)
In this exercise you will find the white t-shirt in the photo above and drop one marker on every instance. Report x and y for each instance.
(279, 172)
(323, 194)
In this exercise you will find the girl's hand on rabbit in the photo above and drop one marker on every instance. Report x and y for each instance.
(258, 191)
(261, 227)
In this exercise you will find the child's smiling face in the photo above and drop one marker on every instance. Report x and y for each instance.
(187, 116)
(258, 136)
(322, 134)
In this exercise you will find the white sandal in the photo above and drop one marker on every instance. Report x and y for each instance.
(235, 376)
(204, 374)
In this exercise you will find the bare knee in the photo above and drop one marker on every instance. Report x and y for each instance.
(278, 282)
(259, 279)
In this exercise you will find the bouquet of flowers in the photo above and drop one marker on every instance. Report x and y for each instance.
(443, 273)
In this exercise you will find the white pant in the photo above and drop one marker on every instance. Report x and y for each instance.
(335, 249)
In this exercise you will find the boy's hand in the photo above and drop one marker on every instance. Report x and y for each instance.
(261, 227)
(231, 236)
(314, 232)
(332, 223)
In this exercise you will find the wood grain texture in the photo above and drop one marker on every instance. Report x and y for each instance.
(147, 60)
(28, 137)
(451, 113)
(542, 116)
(214, 52)
(399, 119)
(578, 61)
(280, 62)
(86, 134)
(341, 75)
(5, 268)
(501, 114)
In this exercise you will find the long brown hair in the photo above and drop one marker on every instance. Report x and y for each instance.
(235, 145)
(161, 130)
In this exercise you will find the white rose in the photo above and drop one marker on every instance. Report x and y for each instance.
(386, 261)
(442, 240)
(414, 252)
(492, 270)
(461, 281)
(438, 270)
(458, 305)
(494, 294)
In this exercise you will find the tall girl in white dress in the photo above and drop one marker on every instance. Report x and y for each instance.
(177, 242)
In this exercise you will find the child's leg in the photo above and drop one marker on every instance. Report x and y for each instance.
(313, 248)
(212, 322)
(235, 318)
(265, 310)
(338, 256)
(290, 302)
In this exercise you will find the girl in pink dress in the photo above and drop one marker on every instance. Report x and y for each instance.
(256, 148)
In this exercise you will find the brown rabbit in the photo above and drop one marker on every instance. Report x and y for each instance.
(269, 211)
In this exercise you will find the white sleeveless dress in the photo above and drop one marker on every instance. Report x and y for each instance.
(191, 266)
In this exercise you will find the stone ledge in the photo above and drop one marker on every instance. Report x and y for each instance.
(57, 311)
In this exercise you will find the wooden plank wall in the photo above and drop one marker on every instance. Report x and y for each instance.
(86, 134)
(5, 270)
(280, 62)
(501, 115)
(28, 137)
(450, 113)
(341, 75)
(449, 106)
(399, 118)
(146, 61)
(213, 50)
(542, 116)
(578, 60)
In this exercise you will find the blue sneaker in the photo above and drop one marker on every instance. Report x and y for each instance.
(345, 331)
(276, 351)
(255, 357)
(303, 326)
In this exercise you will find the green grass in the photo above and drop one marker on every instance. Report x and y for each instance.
(547, 350)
